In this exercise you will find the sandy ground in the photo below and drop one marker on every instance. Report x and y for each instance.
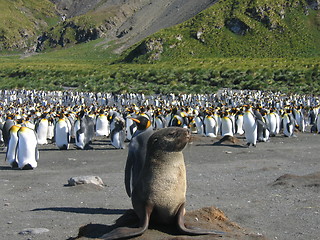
(272, 191)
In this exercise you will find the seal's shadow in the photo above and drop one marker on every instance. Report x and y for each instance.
(91, 230)
(128, 219)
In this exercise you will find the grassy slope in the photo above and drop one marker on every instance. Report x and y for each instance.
(19, 18)
(89, 67)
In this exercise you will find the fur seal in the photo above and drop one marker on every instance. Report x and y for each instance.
(160, 192)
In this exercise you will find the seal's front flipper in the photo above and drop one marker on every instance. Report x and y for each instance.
(126, 232)
(192, 231)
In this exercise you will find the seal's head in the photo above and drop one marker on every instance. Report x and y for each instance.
(171, 139)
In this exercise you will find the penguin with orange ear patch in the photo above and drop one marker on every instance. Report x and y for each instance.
(6, 129)
(42, 129)
(84, 129)
(62, 133)
(137, 152)
(117, 134)
(11, 156)
(102, 126)
(27, 150)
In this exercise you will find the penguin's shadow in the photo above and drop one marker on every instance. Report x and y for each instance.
(98, 148)
(102, 141)
(51, 149)
(8, 168)
(83, 210)
(221, 145)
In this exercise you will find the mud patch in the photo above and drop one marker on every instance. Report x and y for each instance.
(204, 218)
(229, 141)
(290, 180)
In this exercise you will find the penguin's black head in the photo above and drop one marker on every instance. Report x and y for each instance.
(142, 122)
(61, 115)
(175, 110)
(81, 113)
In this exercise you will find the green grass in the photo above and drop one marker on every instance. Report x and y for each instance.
(56, 70)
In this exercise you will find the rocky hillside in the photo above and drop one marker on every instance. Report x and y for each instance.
(230, 28)
(167, 29)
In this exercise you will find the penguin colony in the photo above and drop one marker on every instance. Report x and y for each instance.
(29, 118)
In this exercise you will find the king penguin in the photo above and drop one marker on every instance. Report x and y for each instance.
(131, 126)
(42, 129)
(62, 133)
(102, 124)
(199, 124)
(50, 133)
(84, 131)
(210, 125)
(299, 117)
(226, 125)
(288, 124)
(250, 127)
(117, 134)
(6, 129)
(273, 123)
(11, 156)
(317, 124)
(239, 122)
(137, 152)
(159, 120)
(27, 150)
(262, 123)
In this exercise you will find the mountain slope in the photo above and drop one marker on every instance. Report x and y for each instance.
(230, 28)
(21, 21)
(125, 21)
(78, 21)
(158, 15)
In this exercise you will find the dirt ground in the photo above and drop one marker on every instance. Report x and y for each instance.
(268, 192)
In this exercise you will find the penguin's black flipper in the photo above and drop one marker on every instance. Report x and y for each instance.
(288, 127)
(37, 154)
(132, 128)
(14, 164)
(128, 173)
(262, 123)
(27, 167)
